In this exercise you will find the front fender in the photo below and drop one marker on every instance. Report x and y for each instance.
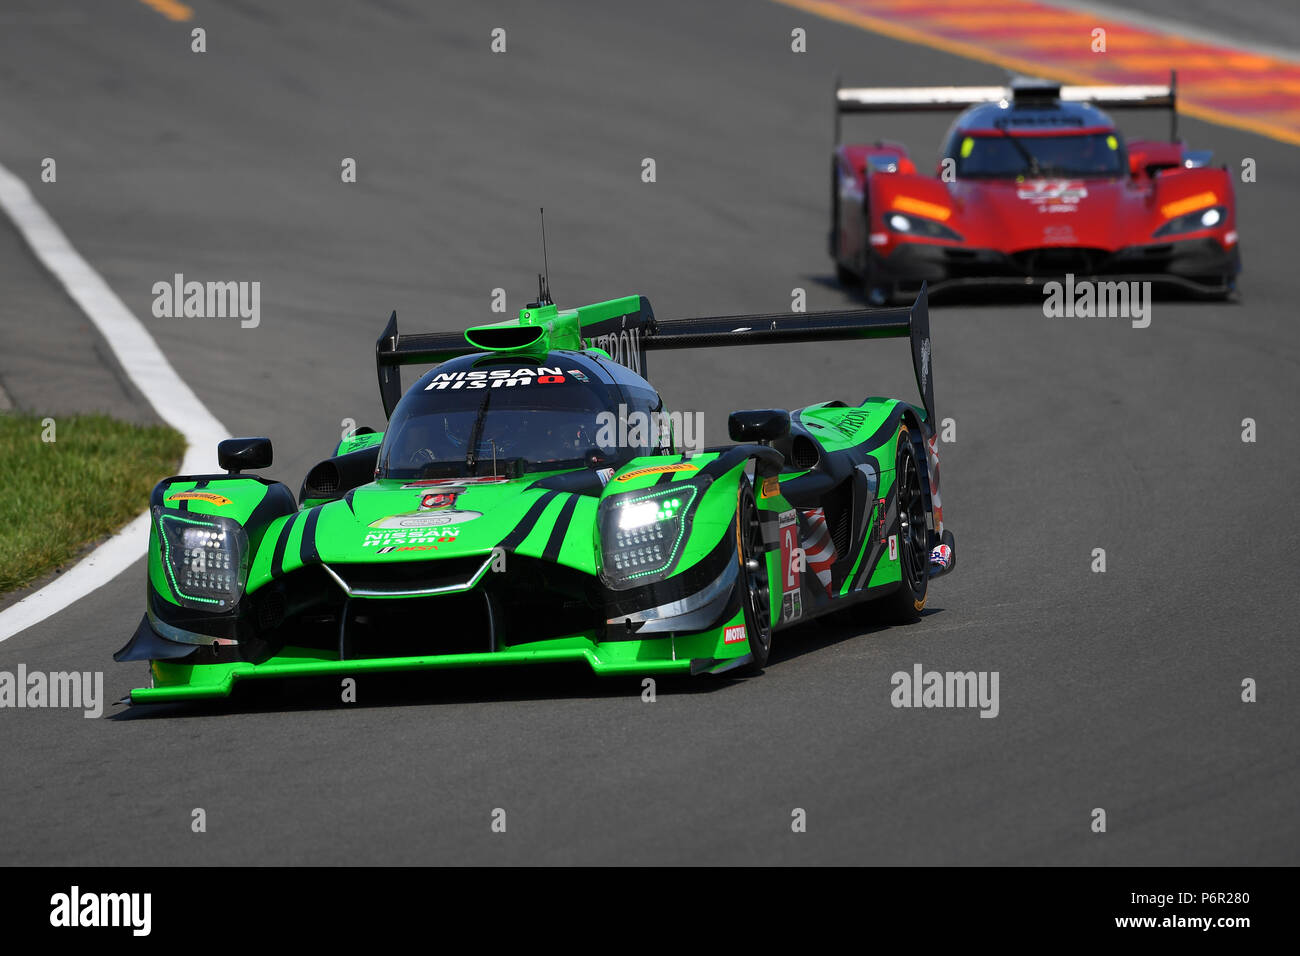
(698, 588)
(249, 501)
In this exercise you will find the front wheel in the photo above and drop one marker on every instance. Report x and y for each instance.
(755, 598)
(904, 605)
(875, 289)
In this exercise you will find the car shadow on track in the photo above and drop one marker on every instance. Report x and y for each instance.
(429, 688)
(831, 630)
(497, 684)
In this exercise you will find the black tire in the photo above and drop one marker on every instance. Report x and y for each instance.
(904, 605)
(846, 277)
(874, 291)
(1229, 292)
(755, 597)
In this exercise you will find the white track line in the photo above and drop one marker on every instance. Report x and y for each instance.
(148, 369)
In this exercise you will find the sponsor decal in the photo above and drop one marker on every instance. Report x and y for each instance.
(624, 347)
(771, 487)
(656, 470)
(391, 538)
(941, 557)
(733, 635)
(1056, 235)
(1051, 197)
(496, 378)
(439, 499)
(791, 569)
(413, 547)
(605, 474)
(578, 374)
(417, 519)
(893, 547)
(209, 497)
(850, 423)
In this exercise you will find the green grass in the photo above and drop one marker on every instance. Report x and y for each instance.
(55, 497)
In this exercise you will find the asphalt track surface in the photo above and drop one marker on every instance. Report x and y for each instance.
(1118, 690)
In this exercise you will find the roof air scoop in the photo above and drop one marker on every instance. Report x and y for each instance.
(507, 337)
(1030, 90)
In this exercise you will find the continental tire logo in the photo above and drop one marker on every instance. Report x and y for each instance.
(656, 470)
(209, 497)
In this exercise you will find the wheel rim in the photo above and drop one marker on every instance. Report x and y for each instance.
(911, 520)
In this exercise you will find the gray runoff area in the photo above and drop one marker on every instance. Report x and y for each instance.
(1119, 690)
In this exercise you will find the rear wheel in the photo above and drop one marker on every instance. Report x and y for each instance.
(905, 604)
(755, 598)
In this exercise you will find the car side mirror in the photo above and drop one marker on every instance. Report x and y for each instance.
(760, 425)
(236, 454)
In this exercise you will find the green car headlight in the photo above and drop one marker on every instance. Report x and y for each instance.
(641, 533)
(205, 558)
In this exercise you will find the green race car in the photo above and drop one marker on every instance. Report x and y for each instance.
(529, 501)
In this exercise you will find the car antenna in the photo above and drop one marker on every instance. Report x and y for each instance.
(544, 278)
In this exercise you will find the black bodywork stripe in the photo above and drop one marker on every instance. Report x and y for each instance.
(307, 549)
(881, 434)
(527, 522)
(556, 540)
(877, 549)
(277, 556)
(737, 454)
(184, 504)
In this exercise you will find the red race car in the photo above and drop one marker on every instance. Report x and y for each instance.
(1034, 181)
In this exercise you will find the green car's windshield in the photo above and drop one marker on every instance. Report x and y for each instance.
(546, 418)
(1008, 155)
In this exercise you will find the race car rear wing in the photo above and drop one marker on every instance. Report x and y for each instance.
(782, 327)
(626, 329)
(921, 99)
